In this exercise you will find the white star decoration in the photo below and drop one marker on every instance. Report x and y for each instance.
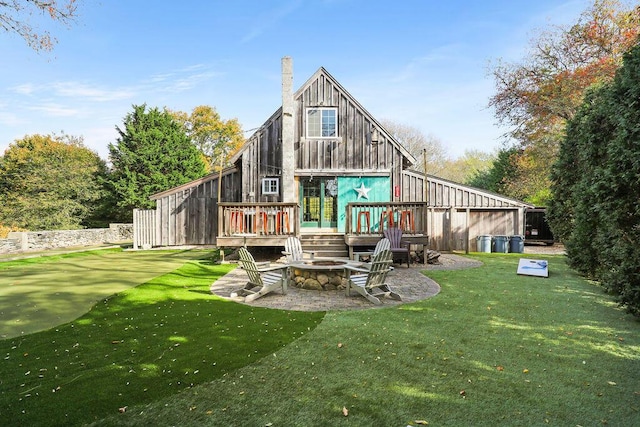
(362, 191)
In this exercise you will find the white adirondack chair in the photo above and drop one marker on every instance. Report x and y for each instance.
(262, 280)
(371, 284)
(293, 250)
(383, 244)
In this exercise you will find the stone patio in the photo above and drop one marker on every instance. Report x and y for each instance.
(410, 283)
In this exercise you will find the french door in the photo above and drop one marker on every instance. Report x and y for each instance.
(319, 201)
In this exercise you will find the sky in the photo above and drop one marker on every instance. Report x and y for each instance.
(423, 63)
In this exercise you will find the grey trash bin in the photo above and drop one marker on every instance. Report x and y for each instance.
(501, 244)
(516, 244)
(483, 243)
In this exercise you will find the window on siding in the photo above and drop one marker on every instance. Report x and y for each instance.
(322, 122)
(270, 186)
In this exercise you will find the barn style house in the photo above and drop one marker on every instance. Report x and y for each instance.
(322, 168)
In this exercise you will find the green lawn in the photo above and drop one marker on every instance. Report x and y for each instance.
(137, 346)
(39, 293)
(493, 348)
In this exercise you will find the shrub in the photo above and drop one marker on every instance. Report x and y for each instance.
(6, 229)
(595, 209)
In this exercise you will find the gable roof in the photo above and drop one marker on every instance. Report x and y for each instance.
(323, 72)
(411, 160)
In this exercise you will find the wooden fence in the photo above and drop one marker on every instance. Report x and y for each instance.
(456, 229)
(144, 229)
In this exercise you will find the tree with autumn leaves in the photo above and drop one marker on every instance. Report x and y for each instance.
(16, 17)
(216, 138)
(51, 182)
(537, 96)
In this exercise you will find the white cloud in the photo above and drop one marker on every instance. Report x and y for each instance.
(179, 80)
(72, 89)
(24, 89)
(90, 92)
(56, 110)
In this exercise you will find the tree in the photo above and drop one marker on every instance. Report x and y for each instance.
(537, 96)
(548, 86)
(217, 139)
(152, 154)
(465, 167)
(15, 14)
(50, 182)
(493, 178)
(595, 206)
(416, 142)
(528, 176)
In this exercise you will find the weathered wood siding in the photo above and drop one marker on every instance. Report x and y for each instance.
(412, 187)
(144, 228)
(456, 229)
(450, 225)
(448, 193)
(188, 215)
(262, 158)
(362, 144)
(362, 147)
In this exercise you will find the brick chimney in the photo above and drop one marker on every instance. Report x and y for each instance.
(288, 162)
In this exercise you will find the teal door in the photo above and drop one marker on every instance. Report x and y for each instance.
(319, 201)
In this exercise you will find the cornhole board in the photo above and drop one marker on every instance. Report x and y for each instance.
(533, 267)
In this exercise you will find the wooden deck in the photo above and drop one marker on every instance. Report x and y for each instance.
(270, 224)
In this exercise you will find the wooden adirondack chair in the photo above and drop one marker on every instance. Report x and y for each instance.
(371, 284)
(262, 280)
(293, 250)
(397, 245)
(383, 244)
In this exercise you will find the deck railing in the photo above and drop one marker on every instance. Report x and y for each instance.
(373, 217)
(258, 219)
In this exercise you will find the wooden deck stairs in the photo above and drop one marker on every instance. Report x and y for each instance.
(325, 244)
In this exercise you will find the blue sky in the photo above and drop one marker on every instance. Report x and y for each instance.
(418, 62)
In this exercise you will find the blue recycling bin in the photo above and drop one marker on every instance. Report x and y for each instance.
(501, 244)
(483, 243)
(516, 244)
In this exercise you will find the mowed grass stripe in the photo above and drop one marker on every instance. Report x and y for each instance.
(38, 294)
(140, 345)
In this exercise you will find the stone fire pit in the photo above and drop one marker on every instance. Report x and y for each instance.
(320, 274)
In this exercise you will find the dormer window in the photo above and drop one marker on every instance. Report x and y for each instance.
(322, 122)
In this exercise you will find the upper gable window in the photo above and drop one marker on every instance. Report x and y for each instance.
(322, 122)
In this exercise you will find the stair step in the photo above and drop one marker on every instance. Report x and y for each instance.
(331, 254)
(325, 245)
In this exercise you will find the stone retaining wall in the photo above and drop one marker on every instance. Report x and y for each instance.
(24, 241)
(9, 246)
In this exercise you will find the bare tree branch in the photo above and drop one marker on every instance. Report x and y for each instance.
(15, 17)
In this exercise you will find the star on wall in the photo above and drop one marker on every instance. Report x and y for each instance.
(362, 191)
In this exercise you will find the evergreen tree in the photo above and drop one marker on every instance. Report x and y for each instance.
(595, 181)
(152, 154)
(493, 178)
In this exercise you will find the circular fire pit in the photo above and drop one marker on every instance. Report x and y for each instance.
(320, 274)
